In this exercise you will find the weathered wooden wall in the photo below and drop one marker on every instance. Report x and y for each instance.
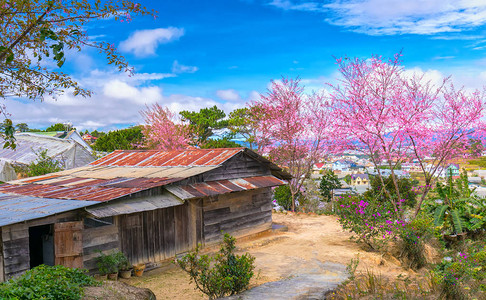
(104, 239)
(153, 236)
(238, 166)
(238, 214)
(15, 243)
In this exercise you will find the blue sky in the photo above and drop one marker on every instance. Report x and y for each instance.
(200, 53)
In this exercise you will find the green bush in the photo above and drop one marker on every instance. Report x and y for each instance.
(108, 263)
(46, 282)
(223, 274)
(43, 165)
(283, 197)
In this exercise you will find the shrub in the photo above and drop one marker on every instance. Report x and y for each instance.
(108, 263)
(283, 196)
(43, 165)
(462, 276)
(46, 282)
(373, 223)
(223, 274)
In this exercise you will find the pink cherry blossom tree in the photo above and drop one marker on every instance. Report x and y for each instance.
(292, 129)
(395, 118)
(164, 130)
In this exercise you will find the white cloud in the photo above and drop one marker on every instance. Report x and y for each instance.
(145, 42)
(177, 68)
(117, 102)
(386, 17)
(117, 89)
(229, 95)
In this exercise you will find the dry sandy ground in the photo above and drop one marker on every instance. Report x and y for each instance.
(310, 239)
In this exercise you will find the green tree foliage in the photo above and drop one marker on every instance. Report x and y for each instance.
(282, 195)
(458, 208)
(204, 122)
(59, 127)
(123, 139)
(97, 133)
(347, 179)
(7, 131)
(32, 32)
(223, 274)
(405, 186)
(329, 182)
(22, 127)
(46, 282)
(225, 142)
(242, 122)
(43, 165)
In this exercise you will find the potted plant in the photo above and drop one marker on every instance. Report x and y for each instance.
(138, 269)
(124, 265)
(108, 264)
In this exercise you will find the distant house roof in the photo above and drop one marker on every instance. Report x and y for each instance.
(362, 176)
(453, 165)
(319, 165)
(88, 136)
(123, 173)
(29, 144)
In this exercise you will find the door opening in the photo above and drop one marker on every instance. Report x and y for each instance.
(41, 245)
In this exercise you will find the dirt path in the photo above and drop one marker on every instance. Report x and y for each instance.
(310, 243)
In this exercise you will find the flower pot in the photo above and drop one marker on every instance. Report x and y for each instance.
(138, 269)
(100, 277)
(113, 276)
(126, 274)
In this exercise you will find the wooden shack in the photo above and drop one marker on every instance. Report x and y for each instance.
(151, 205)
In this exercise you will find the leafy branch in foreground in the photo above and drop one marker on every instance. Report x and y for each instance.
(223, 274)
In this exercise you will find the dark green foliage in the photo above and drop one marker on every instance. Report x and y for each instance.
(111, 263)
(412, 248)
(283, 196)
(22, 127)
(329, 182)
(123, 139)
(347, 179)
(97, 133)
(405, 186)
(204, 122)
(219, 143)
(7, 131)
(223, 274)
(242, 122)
(460, 210)
(43, 165)
(47, 282)
(123, 263)
(58, 127)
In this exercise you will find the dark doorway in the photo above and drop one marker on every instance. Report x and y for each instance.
(41, 245)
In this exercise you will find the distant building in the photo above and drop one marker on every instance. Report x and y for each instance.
(452, 170)
(360, 179)
(88, 138)
(343, 165)
(67, 151)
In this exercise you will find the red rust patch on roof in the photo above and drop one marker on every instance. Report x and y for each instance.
(193, 157)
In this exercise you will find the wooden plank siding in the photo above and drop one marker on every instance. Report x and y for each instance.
(239, 166)
(238, 214)
(153, 236)
(104, 239)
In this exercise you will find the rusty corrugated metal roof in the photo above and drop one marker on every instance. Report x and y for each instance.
(130, 206)
(213, 188)
(154, 158)
(123, 173)
(15, 208)
(82, 189)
